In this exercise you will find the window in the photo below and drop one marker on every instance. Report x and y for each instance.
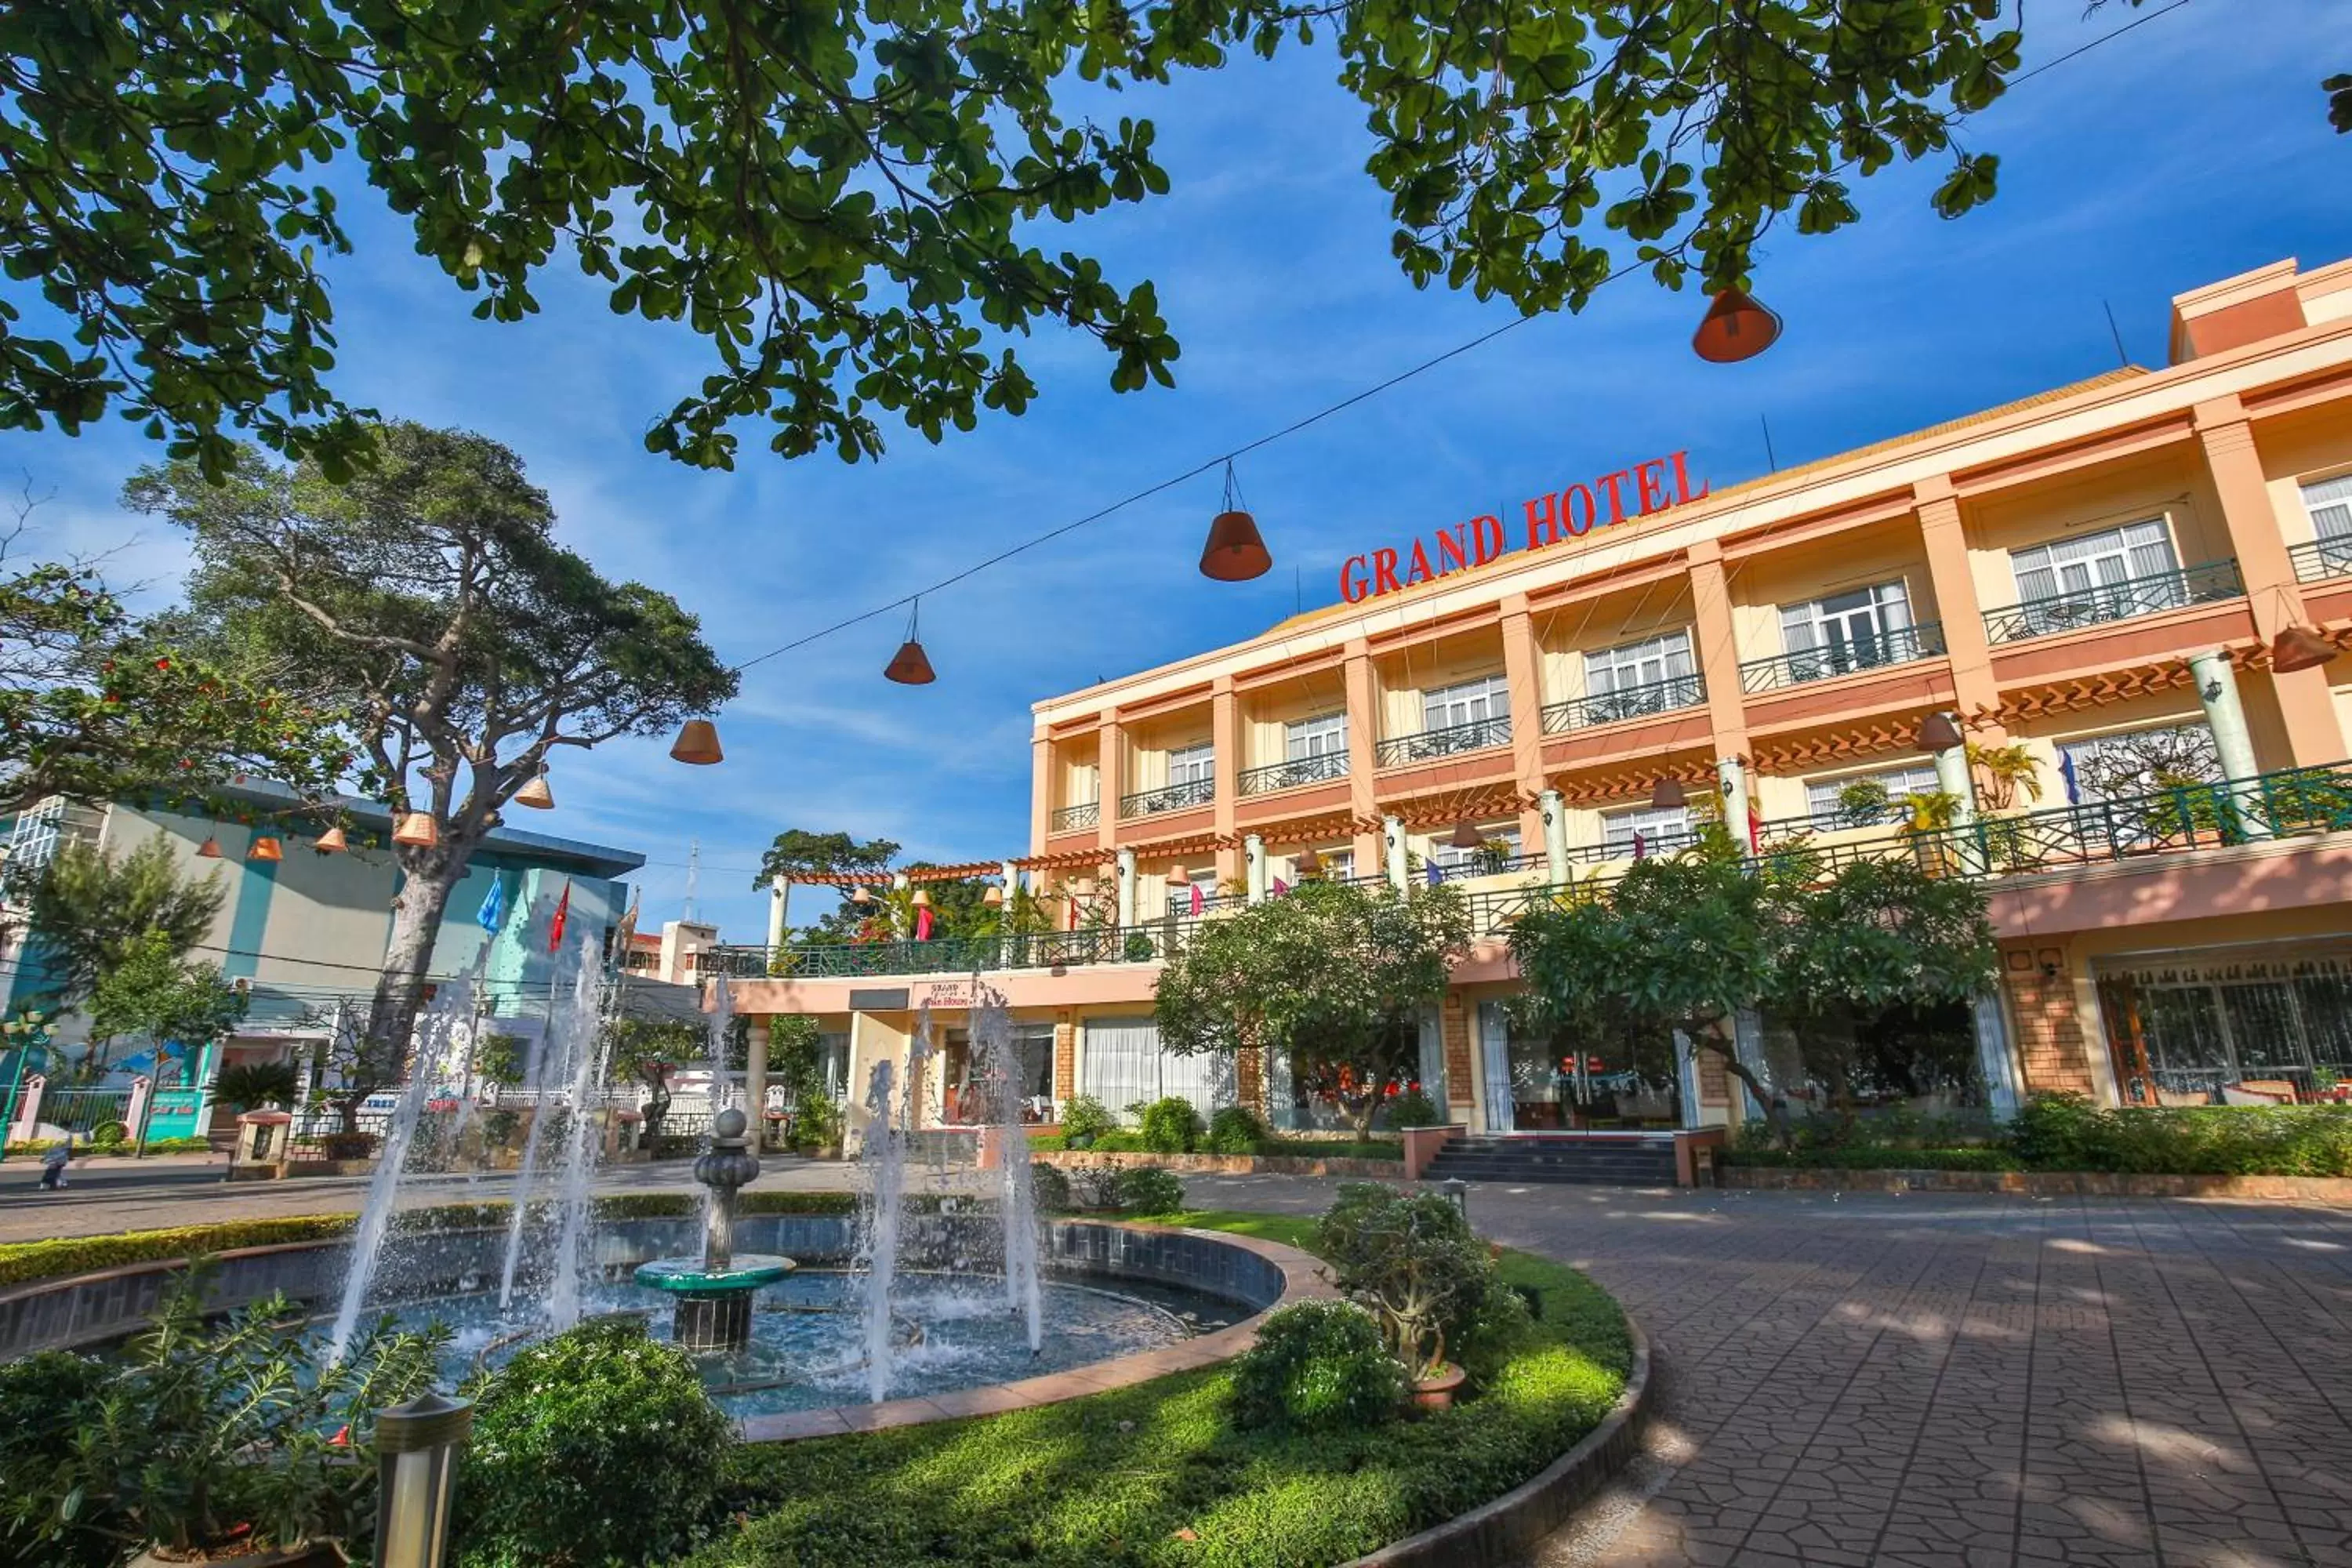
(1823, 799)
(2329, 502)
(1191, 764)
(1501, 846)
(1644, 829)
(1123, 1063)
(1179, 890)
(1857, 630)
(1339, 865)
(2123, 767)
(1326, 736)
(1469, 702)
(1635, 664)
(2072, 568)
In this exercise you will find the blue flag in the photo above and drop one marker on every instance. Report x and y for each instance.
(493, 912)
(2066, 771)
(1434, 874)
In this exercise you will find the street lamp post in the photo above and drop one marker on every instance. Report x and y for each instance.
(416, 1446)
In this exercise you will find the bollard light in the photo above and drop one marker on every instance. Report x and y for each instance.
(416, 1447)
(1457, 1192)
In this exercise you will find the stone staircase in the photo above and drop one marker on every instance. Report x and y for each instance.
(1609, 1159)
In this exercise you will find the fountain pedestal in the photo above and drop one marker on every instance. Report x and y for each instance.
(714, 1292)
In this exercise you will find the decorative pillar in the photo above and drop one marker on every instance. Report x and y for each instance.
(1957, 607)
(1126, 888)
(1523, 675)
(755, 1079)
(1731, 789)
(134, 1108)
(1253, 866)
(1554, 811)
(1042, 770)
(1225, 753)
(1011, 876)
(1110, 778)
(780, 902)
(1392, 852)
(1954, 779)
(2225, 715)
(1718, 648)
(1363, 729)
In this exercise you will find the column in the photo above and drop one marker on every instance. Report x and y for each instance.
(1954, 778)
(2225, 715)
(1392, 856)
(755, 1079)
(1363, 745)
(2314, 735)
(1731, 789)
(780, 899)
(1041, 791)
(1225, 741)
(1523, 673)
(1254, 867)
(1554, 811)
(1718, 649)
(1126, 888)
(1110, 773)
(1957, 605)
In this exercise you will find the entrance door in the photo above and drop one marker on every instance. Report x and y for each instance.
(1494, 1058)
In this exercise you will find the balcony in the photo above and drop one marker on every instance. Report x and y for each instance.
(1070, 818)
(1170, 797)
(2321, 558)
(1626, 703)
(1900, 646)
(1291, 774)
(2148, 595)
(1478, 735)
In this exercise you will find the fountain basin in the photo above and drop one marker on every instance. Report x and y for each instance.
(688, 1276)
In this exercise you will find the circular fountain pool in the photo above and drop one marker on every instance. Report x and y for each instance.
(806, 1351)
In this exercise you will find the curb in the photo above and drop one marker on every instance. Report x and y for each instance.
(1506, 1530)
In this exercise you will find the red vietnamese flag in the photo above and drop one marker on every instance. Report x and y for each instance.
(563, 913)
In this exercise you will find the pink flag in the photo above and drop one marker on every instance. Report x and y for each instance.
(1196, 898)
(923, 924)
(1280, 887)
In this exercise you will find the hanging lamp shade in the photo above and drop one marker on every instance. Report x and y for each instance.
(209, 849)
(266, 848)
(1667, 795)
(1466, 835)
(923, 898)
(1310, 863)
(910, 666)
(536, 795)
(861, 896)
(417, 828)
(332, 842)
(1735, 327)
(1938, 734)
(1236, 551)
(697, 742)
(994, 898)
(2299, 647)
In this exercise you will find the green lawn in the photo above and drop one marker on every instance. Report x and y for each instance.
(1154, 1475)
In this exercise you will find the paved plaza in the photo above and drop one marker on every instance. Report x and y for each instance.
(1891, 1379)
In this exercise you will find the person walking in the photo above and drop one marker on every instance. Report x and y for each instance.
(53, 1164)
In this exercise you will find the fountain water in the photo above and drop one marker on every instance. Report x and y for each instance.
(584, 1053)
(714, 1292)
(1002, 1076)
(883, 1158)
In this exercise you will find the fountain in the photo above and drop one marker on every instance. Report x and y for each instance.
(714, 1292)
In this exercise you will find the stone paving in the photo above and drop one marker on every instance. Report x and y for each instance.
(1890, 1379)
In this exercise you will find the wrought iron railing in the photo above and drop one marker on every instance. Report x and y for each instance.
(1898, 646)
(1167, 797)
(1626, 703)
(2145, 595)
(952, 956)
(1479, 866)
(1070, 818)
(2188, 816)
(2322, 558)
(1478, 735)
(1294, 772)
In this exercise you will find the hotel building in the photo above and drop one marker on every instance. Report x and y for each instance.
(2090, 583)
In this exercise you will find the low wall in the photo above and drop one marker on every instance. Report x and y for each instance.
(2042, 1183)
(1229, 1164)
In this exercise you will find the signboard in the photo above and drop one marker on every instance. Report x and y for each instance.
(949, 994)
(1639, 489)
(879, 999)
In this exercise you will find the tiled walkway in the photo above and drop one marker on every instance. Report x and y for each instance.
(1902, 1380)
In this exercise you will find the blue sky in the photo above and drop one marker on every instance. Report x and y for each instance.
(2190, 147)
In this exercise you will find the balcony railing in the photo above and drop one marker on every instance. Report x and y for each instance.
(2188, 816)
(1899, 645)
(1294, 772)
(2148, 595)
(1478, 735)
(1070, 818)
(1169, 797)
(1146, 944)
(2322, 558)
(1626, 703)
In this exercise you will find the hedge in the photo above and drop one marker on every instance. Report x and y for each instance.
(2066, 1132)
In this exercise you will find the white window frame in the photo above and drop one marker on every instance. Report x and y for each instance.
(1916, 778)
(2059, 570)
(1826, 625)
(1196, 763)
(1466, 702)
(2328, 503)
(1650, 662)
(1671, 824)
(1452, 860)
(2089, 746)
(1324, 735)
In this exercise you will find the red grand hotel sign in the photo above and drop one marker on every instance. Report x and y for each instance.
(1636, 490)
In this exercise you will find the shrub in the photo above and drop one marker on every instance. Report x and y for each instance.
(1414, 1108)
(1138, 948)
(2057, 1132)
(1086, 1118)
(1050, 1187)
(1235, 1130)
(1170, 1125)
(816, 1124)
(244, 1085)
(1415, 1262)
(41, 1398)
(1317, 1366)
(1147, 1189)
(595, 1447)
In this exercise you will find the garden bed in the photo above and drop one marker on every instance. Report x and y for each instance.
(1385, 1169)
(1157, 1474)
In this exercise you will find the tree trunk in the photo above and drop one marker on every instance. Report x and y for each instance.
(400, 985)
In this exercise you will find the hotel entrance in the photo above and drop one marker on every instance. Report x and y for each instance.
(1553, 1081)
(2270, 1026)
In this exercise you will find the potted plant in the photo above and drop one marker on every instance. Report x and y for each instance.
(1415, 1261)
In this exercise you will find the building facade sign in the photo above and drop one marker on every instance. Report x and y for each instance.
(1636, 490)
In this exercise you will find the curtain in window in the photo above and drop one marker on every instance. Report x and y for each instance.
(1121, 1063)
(2329, 502)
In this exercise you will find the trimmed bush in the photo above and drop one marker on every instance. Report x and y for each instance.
(597, 1447)
(1147, 1189)
(1235, 1130)
(1050, 1187)
(1169, 1126)
(1416, 1263)
(1086, 1118)
(1317, 1365)
(2066, 1132)
(1414, 1108)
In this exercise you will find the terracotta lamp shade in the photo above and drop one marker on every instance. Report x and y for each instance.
(1667, 795)
(536, 795)
(910, 666)
(1938, 734)
(922, 898)
(332, 842)
(2299, 647)
(861, 896)
(1310, 863)
(266, 848)
(698, 743)
(417, 828)
(1735, 327)
(209, 849)
(994, 898)
(1466, 835)
(1236, 551)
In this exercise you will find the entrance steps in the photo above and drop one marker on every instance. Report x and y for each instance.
(1622, 1160)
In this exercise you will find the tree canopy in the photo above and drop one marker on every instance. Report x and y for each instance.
(156, 993)
(1331, 975)
(93, 911)
(847, 205)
